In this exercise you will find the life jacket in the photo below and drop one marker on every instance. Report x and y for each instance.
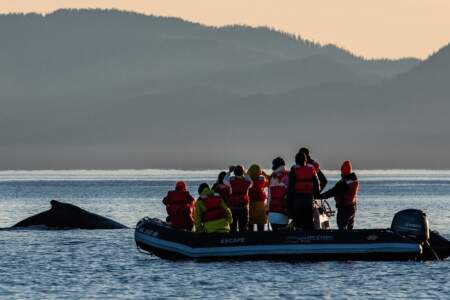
(277, 193)
(180, 207)
(304, 179)
(213, 209)
(349, 197)
(256, 193)
(239, 192)
(223, 190)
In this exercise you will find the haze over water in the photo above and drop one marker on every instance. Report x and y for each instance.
(108, 89)
(98, 264)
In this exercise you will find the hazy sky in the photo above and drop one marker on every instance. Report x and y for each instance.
(376, 28)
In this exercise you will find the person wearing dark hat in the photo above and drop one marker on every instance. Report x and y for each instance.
(345, 194)
(180, 207)
(239, 199)
(211, 213)
(313, 163)
(276, 202)
(302, 188)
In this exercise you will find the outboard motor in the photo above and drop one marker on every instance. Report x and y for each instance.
(412, 223)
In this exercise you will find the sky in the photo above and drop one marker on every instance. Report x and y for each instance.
(373, 29)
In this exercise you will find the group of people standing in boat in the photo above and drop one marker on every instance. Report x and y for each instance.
(238, 200)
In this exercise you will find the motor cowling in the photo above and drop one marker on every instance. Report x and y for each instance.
(412, 223)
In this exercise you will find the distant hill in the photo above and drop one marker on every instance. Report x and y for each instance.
(110, 89)
(77, 50)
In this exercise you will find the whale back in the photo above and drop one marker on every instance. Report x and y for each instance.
(65, 215)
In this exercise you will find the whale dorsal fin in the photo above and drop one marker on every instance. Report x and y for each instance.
(55, 203)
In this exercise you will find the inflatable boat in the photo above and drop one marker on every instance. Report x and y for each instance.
(409, 238)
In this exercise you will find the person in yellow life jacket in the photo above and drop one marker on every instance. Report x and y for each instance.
(345, 194)
(313, 163)
(302, 188)
(211, 213)
(221, 188)
(258, 197)
(239, 200)
(276, 201)
(180, 207)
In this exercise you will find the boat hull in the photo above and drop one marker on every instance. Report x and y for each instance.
(155, 237)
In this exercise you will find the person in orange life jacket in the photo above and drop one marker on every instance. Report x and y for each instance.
(311, 162)
(239, 200)
(258, 197)
(302, 188)
(278, 184)
(221, 188)
(180, 207)
(211, 213)
(345, 194)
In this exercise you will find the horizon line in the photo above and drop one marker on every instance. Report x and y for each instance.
(196, 175)
(205, 170)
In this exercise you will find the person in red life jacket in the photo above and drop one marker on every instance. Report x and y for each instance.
(345, 194)
(278, 184)
(258, 197)
(211, 213)
(221, 188)
(239, 200)
(302, 188)
(311, 162)
(180, 207)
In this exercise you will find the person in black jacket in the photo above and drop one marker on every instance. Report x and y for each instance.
(345, 194)
(302, 188)
(322, 178)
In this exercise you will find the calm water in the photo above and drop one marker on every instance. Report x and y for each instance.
(106, 264)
